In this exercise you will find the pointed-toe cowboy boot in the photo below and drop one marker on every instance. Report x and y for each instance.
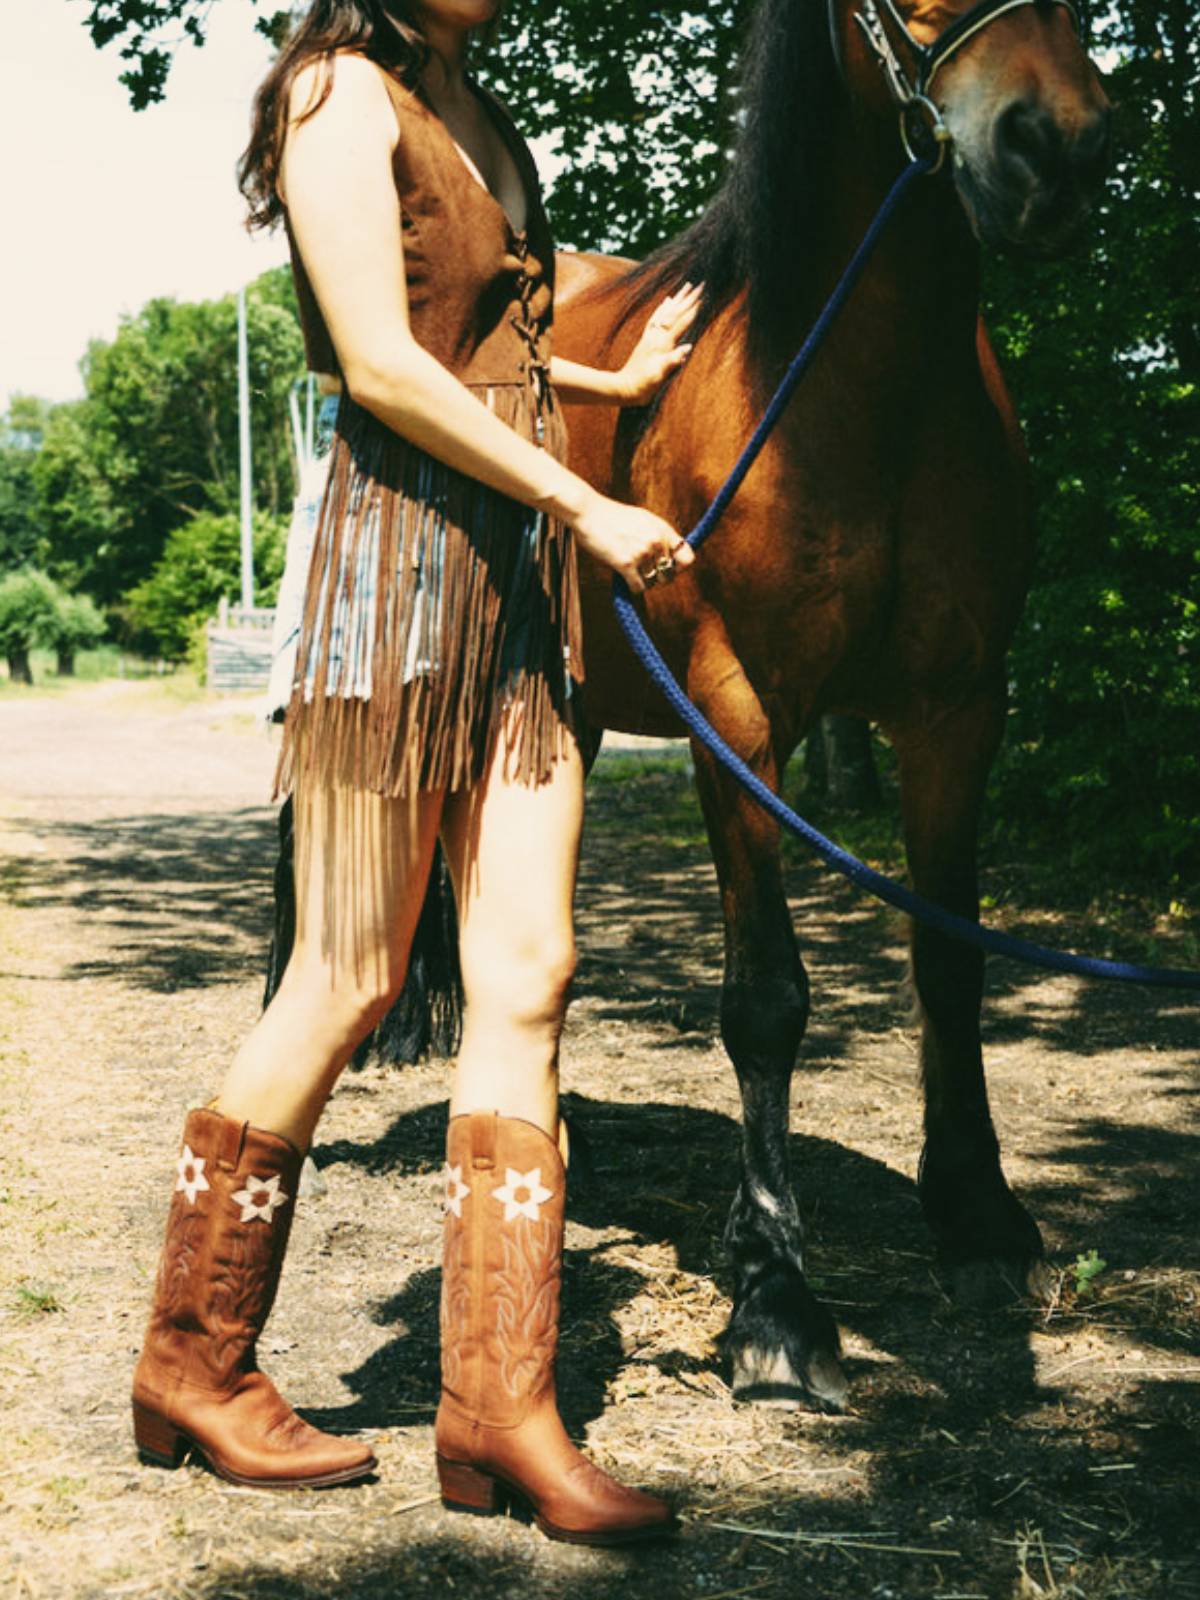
(197, 1382)
(498, 1427)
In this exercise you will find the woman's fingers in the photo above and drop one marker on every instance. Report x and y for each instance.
(663, 565)
(644, 549)
(672, 315)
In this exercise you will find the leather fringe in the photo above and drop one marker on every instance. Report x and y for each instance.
(439, 615)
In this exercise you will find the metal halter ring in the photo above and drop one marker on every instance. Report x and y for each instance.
(664, 568)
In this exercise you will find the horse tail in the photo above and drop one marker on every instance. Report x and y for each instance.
(427, 1015)
(283, 928)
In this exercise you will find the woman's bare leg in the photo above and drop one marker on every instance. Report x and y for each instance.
(513, 851)
(362, 863)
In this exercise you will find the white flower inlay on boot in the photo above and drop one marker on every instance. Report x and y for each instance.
(261, 1197)
(521, 1194)
(191, 1175)
(456, 1190)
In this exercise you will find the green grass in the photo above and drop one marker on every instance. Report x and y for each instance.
(36, 1300)
(91, 666)
(161, 684)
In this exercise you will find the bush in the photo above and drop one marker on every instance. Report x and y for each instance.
(200, 564)
(29, 606)
(78, 624)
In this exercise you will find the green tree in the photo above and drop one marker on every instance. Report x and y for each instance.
(21, 431)
(1103, 353)
(636, 102)
(78, 624)
(29, 603)
(200, 566)
(155, 440)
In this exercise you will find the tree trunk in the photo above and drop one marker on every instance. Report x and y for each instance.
(66, 663)
(19, 669)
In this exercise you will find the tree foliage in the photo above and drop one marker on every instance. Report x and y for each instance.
(200, 565)
(21, 432)
(1103, 353)
(35, 611)
(636, 102)
(155, 440)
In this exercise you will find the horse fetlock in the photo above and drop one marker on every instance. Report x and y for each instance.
(764, 1232)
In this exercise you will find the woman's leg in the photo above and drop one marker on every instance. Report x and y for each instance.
(513, 850)
(361, 869)
(362, 863)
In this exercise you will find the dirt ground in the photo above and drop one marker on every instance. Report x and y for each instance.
(1035, 1451)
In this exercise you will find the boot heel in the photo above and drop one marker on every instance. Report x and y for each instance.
(159, 1442)
(466, 1489)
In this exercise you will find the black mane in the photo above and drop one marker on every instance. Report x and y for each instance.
(752, 236)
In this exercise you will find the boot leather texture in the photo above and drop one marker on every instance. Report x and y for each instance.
(197, 1381)
(498, 1421)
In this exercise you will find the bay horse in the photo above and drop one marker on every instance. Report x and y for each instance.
(874, 563)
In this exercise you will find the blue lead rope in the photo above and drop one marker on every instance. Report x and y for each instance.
(946, 922)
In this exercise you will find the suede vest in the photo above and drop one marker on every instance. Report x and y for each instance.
(480, 293)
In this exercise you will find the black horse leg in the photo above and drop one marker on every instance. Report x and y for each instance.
(987, 1241)
(782, 1344)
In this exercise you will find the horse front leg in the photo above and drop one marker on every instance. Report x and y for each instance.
(782, 1344)
(988, 1243)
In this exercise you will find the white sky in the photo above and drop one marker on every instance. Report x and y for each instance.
(103, 208)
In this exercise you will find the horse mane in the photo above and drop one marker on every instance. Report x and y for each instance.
(752, 237)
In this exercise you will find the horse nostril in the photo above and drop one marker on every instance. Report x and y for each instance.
(1029, 139)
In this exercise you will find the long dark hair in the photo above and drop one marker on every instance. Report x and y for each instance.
(382, 30)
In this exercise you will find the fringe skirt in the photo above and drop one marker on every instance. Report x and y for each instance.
(439, 616)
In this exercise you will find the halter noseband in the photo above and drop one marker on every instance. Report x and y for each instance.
(921, 121)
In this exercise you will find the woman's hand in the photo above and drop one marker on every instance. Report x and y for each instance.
(659, 352)
(643, 548)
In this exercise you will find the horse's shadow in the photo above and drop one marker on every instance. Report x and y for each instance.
(664, 1175)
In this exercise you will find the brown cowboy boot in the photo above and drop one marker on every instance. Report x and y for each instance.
(197, 1382)
(498, 1425)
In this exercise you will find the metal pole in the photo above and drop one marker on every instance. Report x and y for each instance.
(247, 480)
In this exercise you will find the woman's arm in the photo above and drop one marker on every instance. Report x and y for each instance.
(657, 354)
(345, 215)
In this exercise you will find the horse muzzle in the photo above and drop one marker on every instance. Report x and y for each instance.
(1034, 184)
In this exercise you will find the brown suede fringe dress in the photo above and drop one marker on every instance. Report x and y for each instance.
(439, 612)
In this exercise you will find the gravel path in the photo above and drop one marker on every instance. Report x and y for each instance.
(1039, 1451)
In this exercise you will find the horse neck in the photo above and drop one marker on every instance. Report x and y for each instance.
(919, 297)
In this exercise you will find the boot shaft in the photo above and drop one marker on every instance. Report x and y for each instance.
(227, 1233)
(502, 1267)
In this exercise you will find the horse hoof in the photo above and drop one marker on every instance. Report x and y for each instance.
(768, 1378)
(991, 1285)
